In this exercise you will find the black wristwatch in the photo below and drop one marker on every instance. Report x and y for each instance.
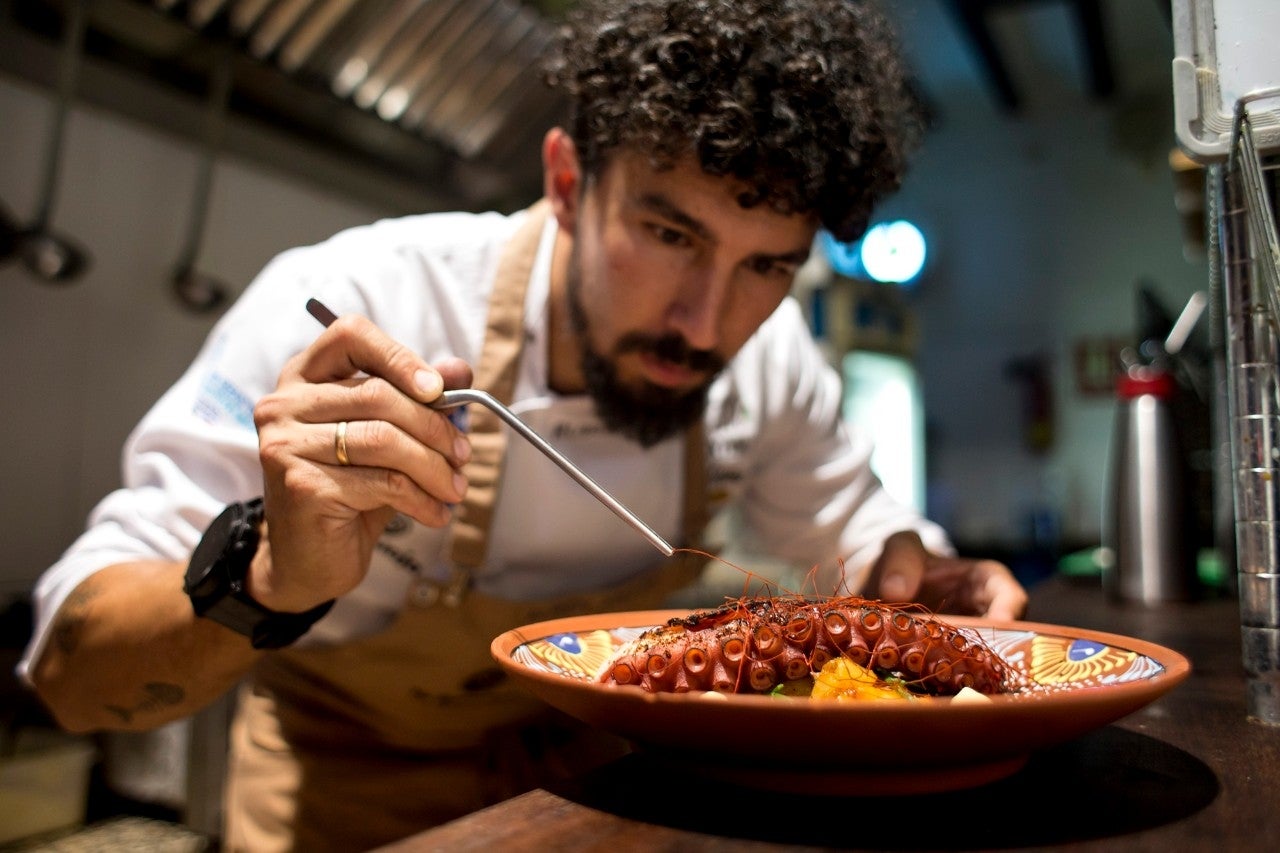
(216, 575)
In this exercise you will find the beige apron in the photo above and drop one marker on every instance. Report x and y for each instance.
(346, 748)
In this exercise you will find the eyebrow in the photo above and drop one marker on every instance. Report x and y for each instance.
(663, 206)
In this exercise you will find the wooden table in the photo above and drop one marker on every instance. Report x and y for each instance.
(1188, 772)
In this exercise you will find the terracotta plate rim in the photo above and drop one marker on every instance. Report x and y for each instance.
(1175, 668)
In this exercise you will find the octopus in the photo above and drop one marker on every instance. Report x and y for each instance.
(753, 645)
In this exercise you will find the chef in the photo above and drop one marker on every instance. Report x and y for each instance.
(295, 521)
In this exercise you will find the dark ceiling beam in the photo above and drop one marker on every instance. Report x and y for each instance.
(1093, 34)
(972, 17)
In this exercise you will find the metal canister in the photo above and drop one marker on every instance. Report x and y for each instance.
(1147, 533)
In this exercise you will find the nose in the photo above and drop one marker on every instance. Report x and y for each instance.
(699, 308)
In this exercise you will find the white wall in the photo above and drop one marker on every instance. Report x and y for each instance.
(83, 363)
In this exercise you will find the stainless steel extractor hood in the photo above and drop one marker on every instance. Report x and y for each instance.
(446, 92)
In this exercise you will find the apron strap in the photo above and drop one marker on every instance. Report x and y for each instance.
(696, 512)
(496, 374)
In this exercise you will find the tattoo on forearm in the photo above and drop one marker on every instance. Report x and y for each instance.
(68, 626)
(158, 695)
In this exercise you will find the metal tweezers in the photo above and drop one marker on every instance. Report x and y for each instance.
(452, 399)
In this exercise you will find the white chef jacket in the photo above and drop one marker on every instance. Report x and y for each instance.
(776, 441)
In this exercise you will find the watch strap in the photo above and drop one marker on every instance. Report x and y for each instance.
(265, 628)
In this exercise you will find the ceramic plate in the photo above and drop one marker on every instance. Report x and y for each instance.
(1085, 680)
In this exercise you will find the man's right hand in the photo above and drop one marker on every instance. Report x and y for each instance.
(323, 517)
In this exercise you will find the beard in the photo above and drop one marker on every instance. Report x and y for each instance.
(648, 413)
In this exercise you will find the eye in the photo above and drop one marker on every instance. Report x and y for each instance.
(669, 236)
(771, 267)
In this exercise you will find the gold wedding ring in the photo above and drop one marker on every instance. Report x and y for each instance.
(340, 444)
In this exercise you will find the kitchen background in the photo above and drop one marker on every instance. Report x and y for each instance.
(1058, 227)
(1049, 202)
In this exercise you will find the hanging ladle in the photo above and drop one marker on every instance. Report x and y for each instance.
(196, 290)
(9, 232)
(51, 256)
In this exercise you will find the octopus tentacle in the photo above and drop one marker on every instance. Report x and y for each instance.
(752, 645)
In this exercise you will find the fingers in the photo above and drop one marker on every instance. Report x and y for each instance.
(370, 488)
(385, 469)
(375, 400)
(906, 571)
(455, 372)
(379, 444)
(1006, 598)
(413, 469)
(353, 344)
(976, 587)
(346, 430)
(897, 574)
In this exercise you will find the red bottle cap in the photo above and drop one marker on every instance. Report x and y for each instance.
(1155, 382)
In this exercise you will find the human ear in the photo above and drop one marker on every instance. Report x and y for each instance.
(561, 176)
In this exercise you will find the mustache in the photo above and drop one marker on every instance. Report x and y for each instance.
(672, 348)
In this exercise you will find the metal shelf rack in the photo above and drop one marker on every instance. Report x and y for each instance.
(1242, 201)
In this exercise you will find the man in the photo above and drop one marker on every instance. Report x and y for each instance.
(637, 317)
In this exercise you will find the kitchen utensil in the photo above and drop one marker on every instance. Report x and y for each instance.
(1146, 526)
(452, 399)
(8, 235)
(1148, 533)
(51, 256)
(199, 291)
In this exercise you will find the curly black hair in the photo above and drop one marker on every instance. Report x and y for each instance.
(806, 101)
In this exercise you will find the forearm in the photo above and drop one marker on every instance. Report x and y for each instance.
(126, 651)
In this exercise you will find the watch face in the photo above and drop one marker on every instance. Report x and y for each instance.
(214, 564)
(215, 582)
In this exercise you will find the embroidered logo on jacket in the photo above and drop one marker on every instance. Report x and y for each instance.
(221, 402)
